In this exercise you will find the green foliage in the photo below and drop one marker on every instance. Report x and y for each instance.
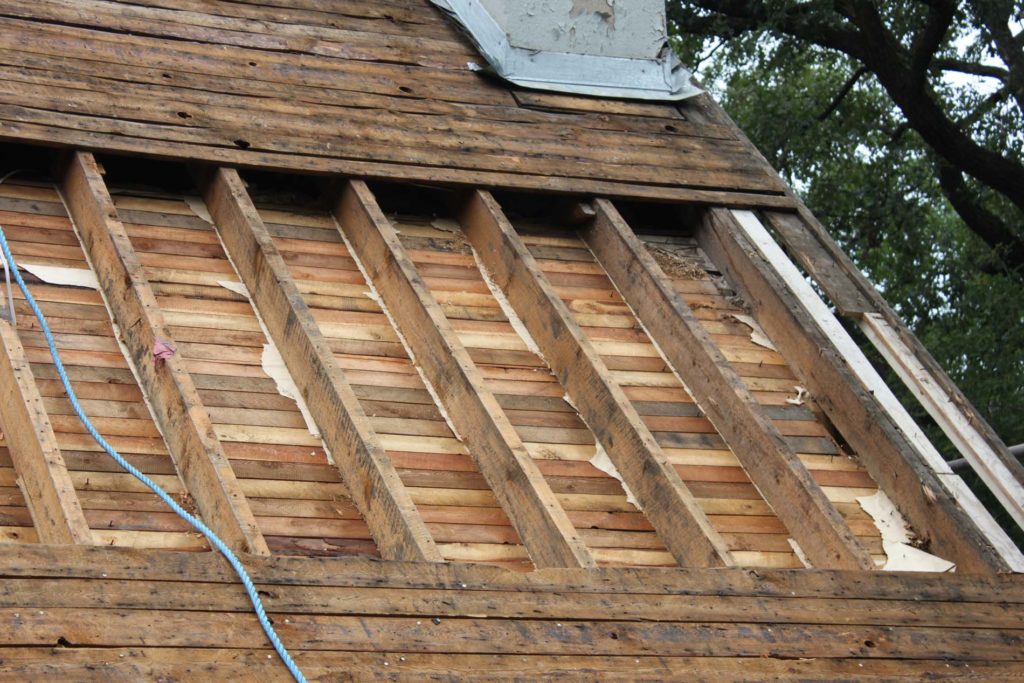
(871, 181)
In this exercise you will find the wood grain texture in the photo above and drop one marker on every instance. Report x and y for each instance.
(373, 483)
(183, 420)
(772, 464)
(42, 474)
(124, 613)
(475, 414)
(882, 447)
(662, 495)
(335, 94)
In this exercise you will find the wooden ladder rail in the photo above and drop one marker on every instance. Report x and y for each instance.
(475, 414)
(773, 466)
(371, 477)
(177, 409)
(42, 475)
(665, 499)
(822, 367)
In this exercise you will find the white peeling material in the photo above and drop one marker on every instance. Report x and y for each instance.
(236, 287)
(274, 366)
(63, 276)
(800, 554)
(506, 308)
(896, 538)
(602, 462)
(801, 394)
(199, 208)
(374, 296)
(757, 335)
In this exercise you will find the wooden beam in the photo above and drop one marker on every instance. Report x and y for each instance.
(773, 466)
(49, 494)
(178, 410)
(476, 417)
(373, 482)
(663, 496)
(883, 448)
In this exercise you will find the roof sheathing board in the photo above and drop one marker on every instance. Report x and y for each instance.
(358, 101)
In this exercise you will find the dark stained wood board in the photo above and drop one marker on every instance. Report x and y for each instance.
(375, 96)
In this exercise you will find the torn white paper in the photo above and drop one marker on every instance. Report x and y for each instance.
(602, 462)
(63, 276)
(801, 394)
(376, 298)
(236, 287)
(757, 335)
(273, 365)
(199, 209)
(799, 552)
(896, 539)
(506, 308)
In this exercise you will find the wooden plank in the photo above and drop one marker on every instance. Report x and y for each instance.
(374, 484)
(1003, 475)
(183, 420)
(635, 453)
(885, 450)
(476, 416)
(42, 475)
(96, 562)
(773, 466)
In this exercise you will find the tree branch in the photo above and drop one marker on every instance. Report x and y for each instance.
(843, 92)
(972, 68)
(1007, 243)
(929, 39)
(995, 16)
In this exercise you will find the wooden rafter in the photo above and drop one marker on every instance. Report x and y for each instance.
(476, 416)
(373, 482)
(49, 494)
(663, 496)
(883, 447)
(178, 410)
(773, 466)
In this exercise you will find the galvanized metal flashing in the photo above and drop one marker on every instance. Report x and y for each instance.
(659, 77)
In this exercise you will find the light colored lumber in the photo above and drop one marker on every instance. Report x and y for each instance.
(180, 414)
(476, 416)
(823, 367)
(773, 466)
(42, 475)
(645, 469)
(993, 469)
(372, 481)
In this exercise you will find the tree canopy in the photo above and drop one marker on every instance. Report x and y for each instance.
(901, 126)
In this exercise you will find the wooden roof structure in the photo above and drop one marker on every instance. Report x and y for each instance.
(479, 382)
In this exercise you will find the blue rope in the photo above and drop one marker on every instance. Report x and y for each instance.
(150, 484)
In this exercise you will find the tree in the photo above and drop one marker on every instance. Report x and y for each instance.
(910, 49)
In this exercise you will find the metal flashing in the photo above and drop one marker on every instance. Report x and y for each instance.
(660, 76)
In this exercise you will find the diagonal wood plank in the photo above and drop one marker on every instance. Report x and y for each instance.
(180, 414)
(883, 447)
(49, 494)
(773, 466)
(664, 497)
(478, 419)
(373, 482)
